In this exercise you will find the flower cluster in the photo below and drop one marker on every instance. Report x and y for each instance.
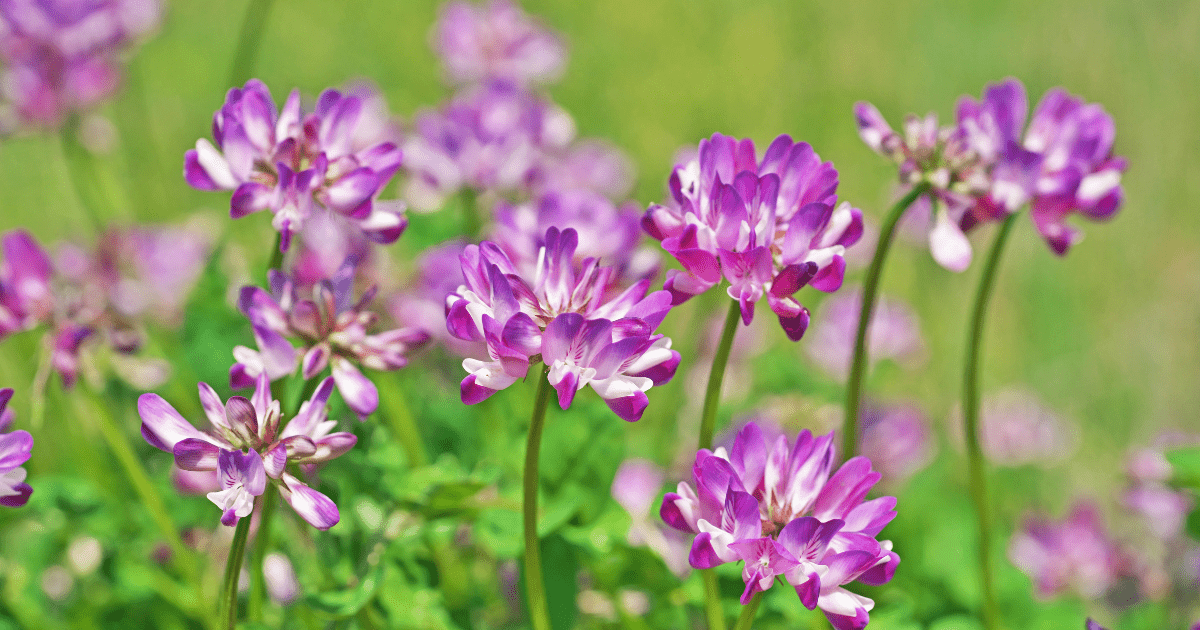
(893, 333)
(337, 158)
(496, 41)
(776, 507)
(14, 451)
(1073, 555)
(768, 227)
(333, 330)
(62, 57)
(565, 316)
(1017, 429)
(247, 447)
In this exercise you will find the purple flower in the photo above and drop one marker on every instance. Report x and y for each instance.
(635, 487)
(280, 577)
(1064, 163)
(14, 451)
(26, 294)
(776, 507)
(591, 165)
(939, 157)
(893, 334)
(1163, 509)
(247, 447)
(496, 41)
(567, 316)
(1017, 429)
(1092, 625)
(897, 439)
(296, 164)
(1073, 555)
(768, 227)
(488, 139)
(62, 56)
(333, 330)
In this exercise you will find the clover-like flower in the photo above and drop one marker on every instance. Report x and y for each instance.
(62, 57)
(1075, 554)
(296, 163)
(14, 451)
(496, 41)
(1063, 164)
(769, 227)
(568, 316)
(333, 330)
(247, 447)
(777, 508)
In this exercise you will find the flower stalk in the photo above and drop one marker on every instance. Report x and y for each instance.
(749, 611)
(227, 615)
(535, 586)
(712, 394)
(971, 403)
(858, 366)
(249, 39)
(262, 543)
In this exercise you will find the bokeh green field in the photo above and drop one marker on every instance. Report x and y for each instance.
(1108, 336)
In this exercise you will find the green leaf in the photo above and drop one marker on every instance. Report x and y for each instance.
(1186, 465)
(348, 602)
(452, 499)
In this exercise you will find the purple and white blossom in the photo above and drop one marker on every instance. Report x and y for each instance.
(1163, 509)
(768, 227)
(333, 330)
(1018, 429)
(1063, 164)
(894, 333)
(567, 316)
(1075, 554)
(63, 57)
(14, 451)
(898, 439)
(248, 448)
(26, 294)
(298, 164)
(496, 41)
(776, 507)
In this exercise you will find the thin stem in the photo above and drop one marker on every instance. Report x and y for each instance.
(403, 425)
(472, 223)
(233, 568)
(712, 600)
(975, 463)
(258, 555)
(81, 172)
(746, 619)
(249, 40)
(712, 395)
(276, 260)
(535, 587)
(858, 365)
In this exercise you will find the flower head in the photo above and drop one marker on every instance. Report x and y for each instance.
(769, 227)
(496, 41)
(297, 164)
(1072, 555)
(566, 315)
(246, 446)
(62, 57)
(776, 507)
(14, 451)
(333, 329)
(893, 333)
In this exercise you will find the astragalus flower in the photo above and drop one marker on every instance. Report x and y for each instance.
(496, 41)
(1063, 164)
(894, 333)
(333, 330)
(247, 447)
(566, 316)
(776, 507)
(769, 227)
(297, 164)
(62, 57)
(14, 451)
(1075, 554)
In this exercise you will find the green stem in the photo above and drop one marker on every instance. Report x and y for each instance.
(233, 567)
(81, 171)
(472, 223)
(276, 260)
(404, 426)
(249, 40)
(746, 619)
(858, 365)
(535, 586)
(975, 463)
(712, 394)
(712, 600)
(262, 543)
(136, 473)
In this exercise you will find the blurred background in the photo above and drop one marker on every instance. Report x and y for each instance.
(1107, 339)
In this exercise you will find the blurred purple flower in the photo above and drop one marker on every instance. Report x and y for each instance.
(565, 316)
(636, 487)
(62, 57)
(333, 331)
(26, 294)
(247, 447)
(1064, 163)
(14, 451)
(893, 333)
(591, 165)
(295, 163)
(768, 227)
(497, 41)
(775, 507)
(488, 139)
(1073, 555)
(1017, 429)
(280, 577)
(1163, 509)
(897, 439)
